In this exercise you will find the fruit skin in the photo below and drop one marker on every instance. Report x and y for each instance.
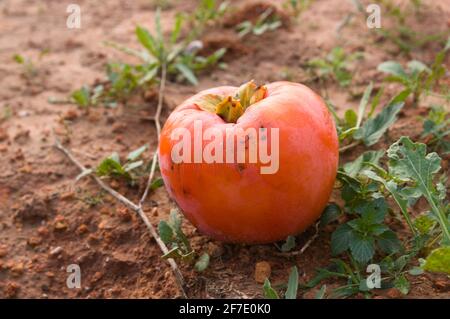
(236, 203)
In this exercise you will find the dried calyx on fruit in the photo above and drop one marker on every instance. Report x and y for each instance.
(230, 108)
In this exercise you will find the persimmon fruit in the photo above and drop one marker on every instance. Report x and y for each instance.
(236, 201)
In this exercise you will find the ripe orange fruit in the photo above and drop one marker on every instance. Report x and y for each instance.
(250, 200)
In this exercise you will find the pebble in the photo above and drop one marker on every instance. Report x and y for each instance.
(215, 250)
(262, 271)
(56, 251)
(394, 293)
(34, 241)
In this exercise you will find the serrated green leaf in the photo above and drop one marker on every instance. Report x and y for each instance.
(402, 284)
(341, 238)
(330, 214)
(362, 248)
(369, 157)
(388, 242)
(374, 128)
(409, 161)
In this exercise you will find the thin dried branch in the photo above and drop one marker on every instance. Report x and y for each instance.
(136, 208)
(162, 88)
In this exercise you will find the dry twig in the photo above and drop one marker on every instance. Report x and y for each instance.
(137, 208)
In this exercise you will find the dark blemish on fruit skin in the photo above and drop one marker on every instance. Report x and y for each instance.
(185, 191)
(240, 167)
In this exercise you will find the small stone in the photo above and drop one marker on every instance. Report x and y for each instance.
(97, 276)
(70, 115)
(262, 271)
(82, 229)
(26, 169)
(60, 226)
(3, 251)
(34, 241)
(50, 274)
(215, 250)
(114, 184)
(17, 269)
(124, 214)
(393, 293)
(43, 231)
(3, 134)
(56, 251)
(442, 285)
(106, 224)
(67, 196)
(118, 127)
(60, 223)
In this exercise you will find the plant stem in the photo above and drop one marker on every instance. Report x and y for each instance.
(349, 146)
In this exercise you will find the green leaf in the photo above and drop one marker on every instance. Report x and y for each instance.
(394, 68)
(147, 40)
(115, 157)
(438, 260)
(350, 118)
(341, 238)
(269, 292)
(177, 29)
(402, 284)
(388, 242)
(202, 262)
(362, 248)
(291, 292)
(409, 161)
(165, 232)
(187, 73)
(157, 183)
(330, 214)
(392, 187)
(321, 293)
(416, 271)
(132, 166)
(110, 167)
(417, 67)
(369, 157)
(18, 58)
(82, 97)
(134, 155)
(374, 128)
(289, 244)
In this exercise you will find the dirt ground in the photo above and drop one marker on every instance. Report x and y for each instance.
(47, 221)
